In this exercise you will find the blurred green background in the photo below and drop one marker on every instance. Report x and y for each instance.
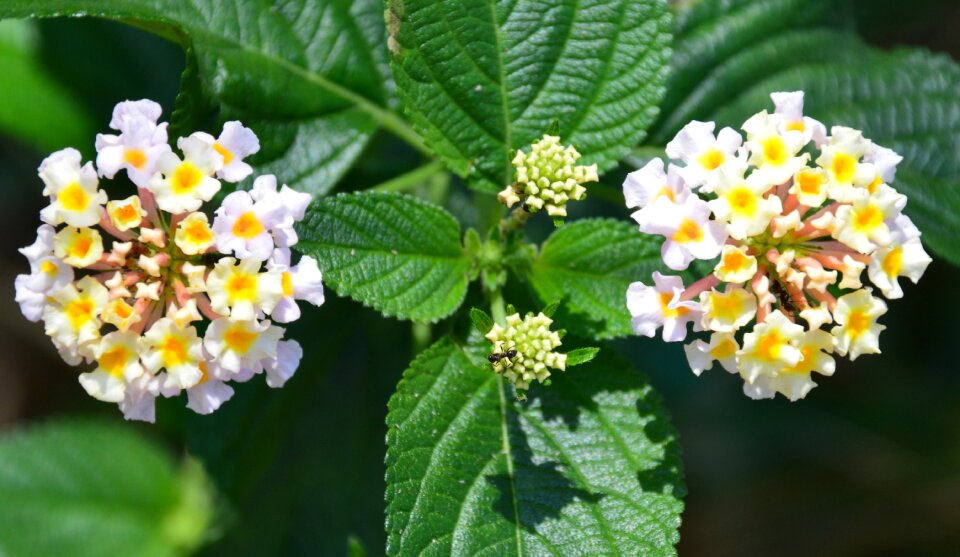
(868, 464)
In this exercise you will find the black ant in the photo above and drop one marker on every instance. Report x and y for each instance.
(792, 302)
(498, 357)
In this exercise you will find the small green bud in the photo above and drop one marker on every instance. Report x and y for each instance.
(548, 177)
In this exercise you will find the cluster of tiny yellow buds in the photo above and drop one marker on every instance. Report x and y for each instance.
(548, 177)
(793, 216)
(524, 349)
(162, 307)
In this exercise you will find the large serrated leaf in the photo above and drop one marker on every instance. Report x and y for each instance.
(731, 54)
(87, 489)
(588, 466)
(393, 252)
(308, 76)
(480, 78)
(589, 265)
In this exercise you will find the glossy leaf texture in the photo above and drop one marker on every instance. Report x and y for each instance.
(91, 489)
(309, 77)
(395, 253)
(589, 264)
(481, 78)
(37, 109)
(588, 466)
(729, 58)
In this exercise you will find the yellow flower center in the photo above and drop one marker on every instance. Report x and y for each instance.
(81, 246)
(872, 187)
(49, 267)
(135, 158)
(127, 213)
(733, 261)
(239, 339)
(742, 201)
(80, 312)
(843, 167)
(797, 126)
(665, 191)
(73, 197)
(286, 280)
(805, 365)
(726, 307)
(774, 151)
(867, 218)
(893, 262)
(227, 155)
(113, 361)
(122, 309)
(242, 287)
(689, 231)
(857, 323)
(768, 347)
(810, 183)
(668, 312)
(173, 351)
(185, 178)
(712, 159)
(725, 349)
(247, 226)
(197, 232)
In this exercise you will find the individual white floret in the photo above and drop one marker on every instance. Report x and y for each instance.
(652, 307)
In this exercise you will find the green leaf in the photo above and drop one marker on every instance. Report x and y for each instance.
(309, 77)
(589, 264)
(82, 488)
(588, 466)
(731, 55)
(581, 356)
(36, 108)
(393, 252)
(482, 78)
(481, 321)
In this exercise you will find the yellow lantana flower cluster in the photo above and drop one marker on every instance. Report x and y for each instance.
(168, 300)
(793, 216)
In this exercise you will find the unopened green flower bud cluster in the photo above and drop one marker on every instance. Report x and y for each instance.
(534, 342)
(548, 177)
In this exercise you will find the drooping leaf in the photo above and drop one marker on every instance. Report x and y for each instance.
(731, 56)
(482, 78)
(309, 77)
(35, 107)
(589, 264)
(89, 489)
(393, 252)
(588, 466)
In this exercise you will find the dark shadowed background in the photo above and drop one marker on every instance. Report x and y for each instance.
(868, 464)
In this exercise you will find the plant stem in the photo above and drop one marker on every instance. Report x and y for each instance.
(497, 307)
(422, 333)
(514, 221)
(416, 177)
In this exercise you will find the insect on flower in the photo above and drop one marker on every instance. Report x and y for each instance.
(499, 355)
(147, 290)
(795, 216)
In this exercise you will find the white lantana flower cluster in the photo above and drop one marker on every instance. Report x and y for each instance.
(794, 217)
(548, 177)
(525, 350)
(155, 269)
